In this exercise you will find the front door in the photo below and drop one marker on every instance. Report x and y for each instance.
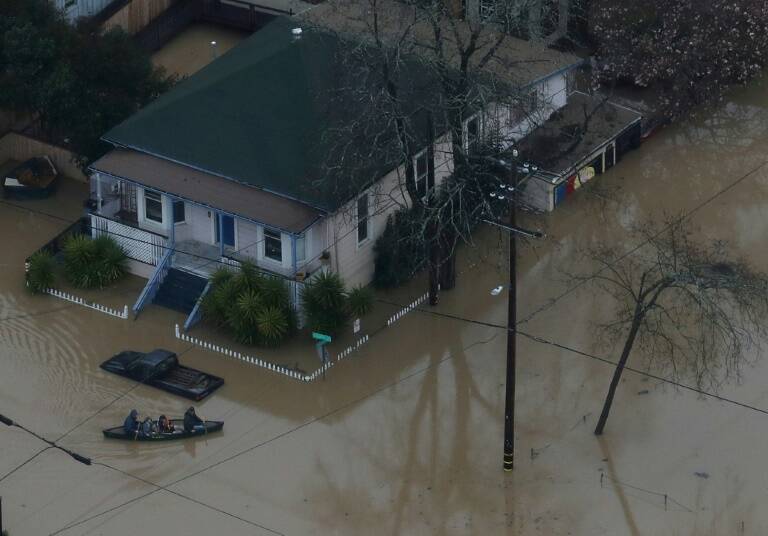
(227, 231)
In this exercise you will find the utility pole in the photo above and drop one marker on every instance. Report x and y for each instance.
(509, 404)
(509, 193)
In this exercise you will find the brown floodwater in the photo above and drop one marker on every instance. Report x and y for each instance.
(405, 436)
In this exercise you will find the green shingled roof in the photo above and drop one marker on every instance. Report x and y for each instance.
(259, 115)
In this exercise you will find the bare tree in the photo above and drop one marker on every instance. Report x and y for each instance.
(416, 72)
(692, 308)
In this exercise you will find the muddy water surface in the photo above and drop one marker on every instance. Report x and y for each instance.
(405, 437)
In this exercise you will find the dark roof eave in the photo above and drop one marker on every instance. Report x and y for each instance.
(319, 208)
(211, 207)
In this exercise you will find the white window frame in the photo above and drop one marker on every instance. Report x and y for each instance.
(425, 176)
(465, 130)
(368, 225)
(301, 250)
(264, 248)
(144, 221)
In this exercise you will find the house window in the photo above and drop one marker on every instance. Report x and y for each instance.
(301, 249)
(153, 206)
(178, 212)
(472, 134)
(488, 10)
(362, 219)
(523, 106)
(424, 180)
(273, 245)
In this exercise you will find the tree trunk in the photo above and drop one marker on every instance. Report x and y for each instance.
(563, 17)
(534, 19)
(619, 369)
(434, 270)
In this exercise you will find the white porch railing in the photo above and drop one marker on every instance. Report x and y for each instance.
(138, 244)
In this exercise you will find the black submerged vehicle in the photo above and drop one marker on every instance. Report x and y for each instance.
(178, 432)
(160, 368)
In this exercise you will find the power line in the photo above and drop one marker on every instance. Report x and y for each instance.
(38, 453)
(263, 443)
(542, 340)
(534, 338)
(187, 497)
(549, 304)
(138, 383)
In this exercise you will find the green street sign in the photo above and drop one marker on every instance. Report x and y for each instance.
(321, 336)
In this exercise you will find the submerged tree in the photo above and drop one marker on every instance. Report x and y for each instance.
(693, 310)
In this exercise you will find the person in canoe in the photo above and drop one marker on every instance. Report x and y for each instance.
(164, 425)
(148, 427)
(192, 421)
(131, 423)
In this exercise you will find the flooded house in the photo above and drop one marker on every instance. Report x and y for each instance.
(75, 9)
(229, 166)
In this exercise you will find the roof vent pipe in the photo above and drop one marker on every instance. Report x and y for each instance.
(296, 32)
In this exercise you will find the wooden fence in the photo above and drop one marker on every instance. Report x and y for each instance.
(17, 146)
(135, 15)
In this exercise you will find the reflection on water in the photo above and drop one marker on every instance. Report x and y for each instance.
(405, 436)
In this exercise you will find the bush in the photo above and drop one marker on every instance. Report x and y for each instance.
(253, 308)
(93, 263)
(325, 303)
(399, 252)
(40, 275)
(360, 301)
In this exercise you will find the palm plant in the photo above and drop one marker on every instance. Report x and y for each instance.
(93, 263)
(40, 274)
(254, 308)
(79, 258)
(273, 325)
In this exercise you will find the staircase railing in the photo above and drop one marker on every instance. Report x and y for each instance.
(196, 313)
(153, 285)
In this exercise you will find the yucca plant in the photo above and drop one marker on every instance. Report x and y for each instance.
(242, 316)
(79, 259)
(274, 292)
(252, 307)
(220, 276)
(217, 303)
(325, 303)
(93, 263)
(273, 325)
(40, 275)
(360, 301)
(111, 260)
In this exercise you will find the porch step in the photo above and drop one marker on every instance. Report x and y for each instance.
(180, 290)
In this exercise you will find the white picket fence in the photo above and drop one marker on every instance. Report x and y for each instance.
(95, 306)
(255, 361)
(407, 309)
